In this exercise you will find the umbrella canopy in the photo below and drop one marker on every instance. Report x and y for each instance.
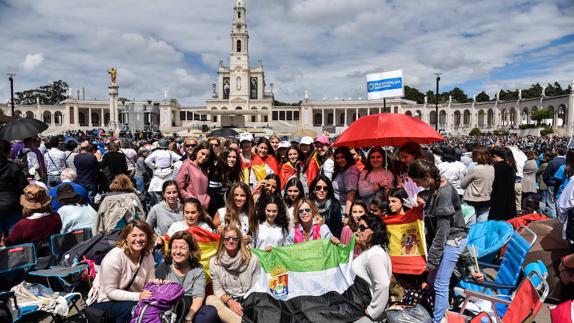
(387, 129)
(5, 118)
(20, 129)
(550, 247)
(304, 132)
(224, 132)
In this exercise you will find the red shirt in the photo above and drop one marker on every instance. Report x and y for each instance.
(34, 228)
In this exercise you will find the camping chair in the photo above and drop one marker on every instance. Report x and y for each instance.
(14, 262)
(67, 277)
(525, 303)
(509, 269)
(489, 237)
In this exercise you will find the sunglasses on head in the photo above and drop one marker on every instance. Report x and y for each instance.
(306, 210)
(235, 239)
(363, 228)
(321, 188)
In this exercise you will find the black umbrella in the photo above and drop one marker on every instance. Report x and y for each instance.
(224, 132)
(22, 129)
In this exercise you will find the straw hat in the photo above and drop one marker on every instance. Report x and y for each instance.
(34, 197)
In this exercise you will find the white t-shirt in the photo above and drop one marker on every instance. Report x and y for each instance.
(242, 218)
(182, 226)
(269, 235)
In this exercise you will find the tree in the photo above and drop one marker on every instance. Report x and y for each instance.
(482, 97)
(535, 91)
(458, 95)
(539, 115)
(50, 94)
(413, 94)
(475, 132)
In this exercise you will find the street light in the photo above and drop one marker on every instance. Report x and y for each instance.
(436, 101)
(11, 79)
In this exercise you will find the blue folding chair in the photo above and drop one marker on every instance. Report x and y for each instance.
(14, 262)
(489, 237)
(509, 269)
(67, 277)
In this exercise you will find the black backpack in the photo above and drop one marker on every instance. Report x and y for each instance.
(95, 249)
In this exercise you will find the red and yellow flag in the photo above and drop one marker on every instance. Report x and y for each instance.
(259, 166)
(208, 243)
(407, 246)
(288, 170)
(312, 168)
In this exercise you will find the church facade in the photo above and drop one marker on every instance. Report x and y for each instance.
(241, 99)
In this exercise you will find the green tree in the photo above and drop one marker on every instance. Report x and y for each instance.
(413, 94)
(534, 91)
(50, 94)
(475, 132)
(458, 95)
(508, 95)
(539, 115)
(482, 97)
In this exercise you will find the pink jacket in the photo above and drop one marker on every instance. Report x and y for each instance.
(192, 182)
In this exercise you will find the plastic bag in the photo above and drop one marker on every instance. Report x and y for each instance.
(415, 314)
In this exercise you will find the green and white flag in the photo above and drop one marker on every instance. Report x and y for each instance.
(311, 281)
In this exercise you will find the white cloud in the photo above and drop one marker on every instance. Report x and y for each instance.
(32, 61)
(324, 46)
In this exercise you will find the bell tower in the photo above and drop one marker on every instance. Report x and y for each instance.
(239, 37)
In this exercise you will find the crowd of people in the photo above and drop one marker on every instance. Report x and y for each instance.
(266, 193)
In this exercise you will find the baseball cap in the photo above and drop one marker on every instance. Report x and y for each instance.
(306, 140)
(322, 139)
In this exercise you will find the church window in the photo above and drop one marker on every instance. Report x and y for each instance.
(239, 14)
(295, 115)
(238, 83)
(239, 45)
(275, 115)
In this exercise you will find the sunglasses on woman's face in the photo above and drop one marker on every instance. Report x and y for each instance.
(190, 146)
(234, 239)
(321, 188)
(363, 228)
(306, 210)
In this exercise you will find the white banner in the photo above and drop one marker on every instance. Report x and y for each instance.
(385, 85)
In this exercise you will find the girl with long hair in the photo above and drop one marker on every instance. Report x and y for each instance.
(273, 223)
(307, 223)
(192, 179)
(291, 168)
(239, 211)
(321, 193)
(375, 178)
(194, 215)
(502, 196)
(263, 163)
(293, 193)
(345, 178)
(446, 224)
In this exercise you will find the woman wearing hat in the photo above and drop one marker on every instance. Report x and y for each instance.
(38, 221)
(75, 213)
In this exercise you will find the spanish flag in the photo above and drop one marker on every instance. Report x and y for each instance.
(208, 243)
(288, 170)
(313, 168)
(259, 166)
(407, 242)
(245, 169)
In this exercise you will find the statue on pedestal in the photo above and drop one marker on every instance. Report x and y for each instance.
(112, 72)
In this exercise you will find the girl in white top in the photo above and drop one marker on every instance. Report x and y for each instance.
(293, 193)
(239, 211)
(193, 216)
(375, 177)
(273, 227)
(374, 264)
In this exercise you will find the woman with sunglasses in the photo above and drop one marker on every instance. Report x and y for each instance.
(307, 224)
(446, 229)
(321, 193)
(374, 265)
(376, 178)
(233, 272)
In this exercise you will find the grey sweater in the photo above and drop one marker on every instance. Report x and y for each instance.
(161, 217)
(478, 183)
(193, 282)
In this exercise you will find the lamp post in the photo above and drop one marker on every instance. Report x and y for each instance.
(436, 101)
(11, 79)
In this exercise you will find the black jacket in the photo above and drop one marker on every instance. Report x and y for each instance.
(502, 197)
(12, 183)
(334, 218)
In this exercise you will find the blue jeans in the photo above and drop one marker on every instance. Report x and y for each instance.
(440, 278)
(120, 310)
(140, 184)
(549, 203)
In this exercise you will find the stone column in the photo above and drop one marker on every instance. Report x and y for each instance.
(89, 117)
(356, 113)
(113, 98)
(345, 117)
(570, 111)
(322, 118)
(102, 117)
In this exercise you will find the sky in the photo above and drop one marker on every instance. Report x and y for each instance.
(323, 46)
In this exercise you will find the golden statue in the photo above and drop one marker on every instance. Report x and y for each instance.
(112, 72)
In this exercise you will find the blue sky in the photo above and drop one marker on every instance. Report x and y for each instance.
(323, 46)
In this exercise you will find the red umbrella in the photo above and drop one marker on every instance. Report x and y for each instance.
(387, 129)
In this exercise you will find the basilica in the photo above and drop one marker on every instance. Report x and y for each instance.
(242, 99)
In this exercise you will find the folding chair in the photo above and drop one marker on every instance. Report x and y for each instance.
(67, 277)
(508, 271)
(524, 305)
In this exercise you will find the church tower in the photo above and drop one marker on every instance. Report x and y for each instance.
(239, 38)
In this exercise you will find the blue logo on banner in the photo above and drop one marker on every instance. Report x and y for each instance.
(384, 85)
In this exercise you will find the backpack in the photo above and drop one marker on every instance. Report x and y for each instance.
(22, 161)
(157, 308)
(94, 249)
